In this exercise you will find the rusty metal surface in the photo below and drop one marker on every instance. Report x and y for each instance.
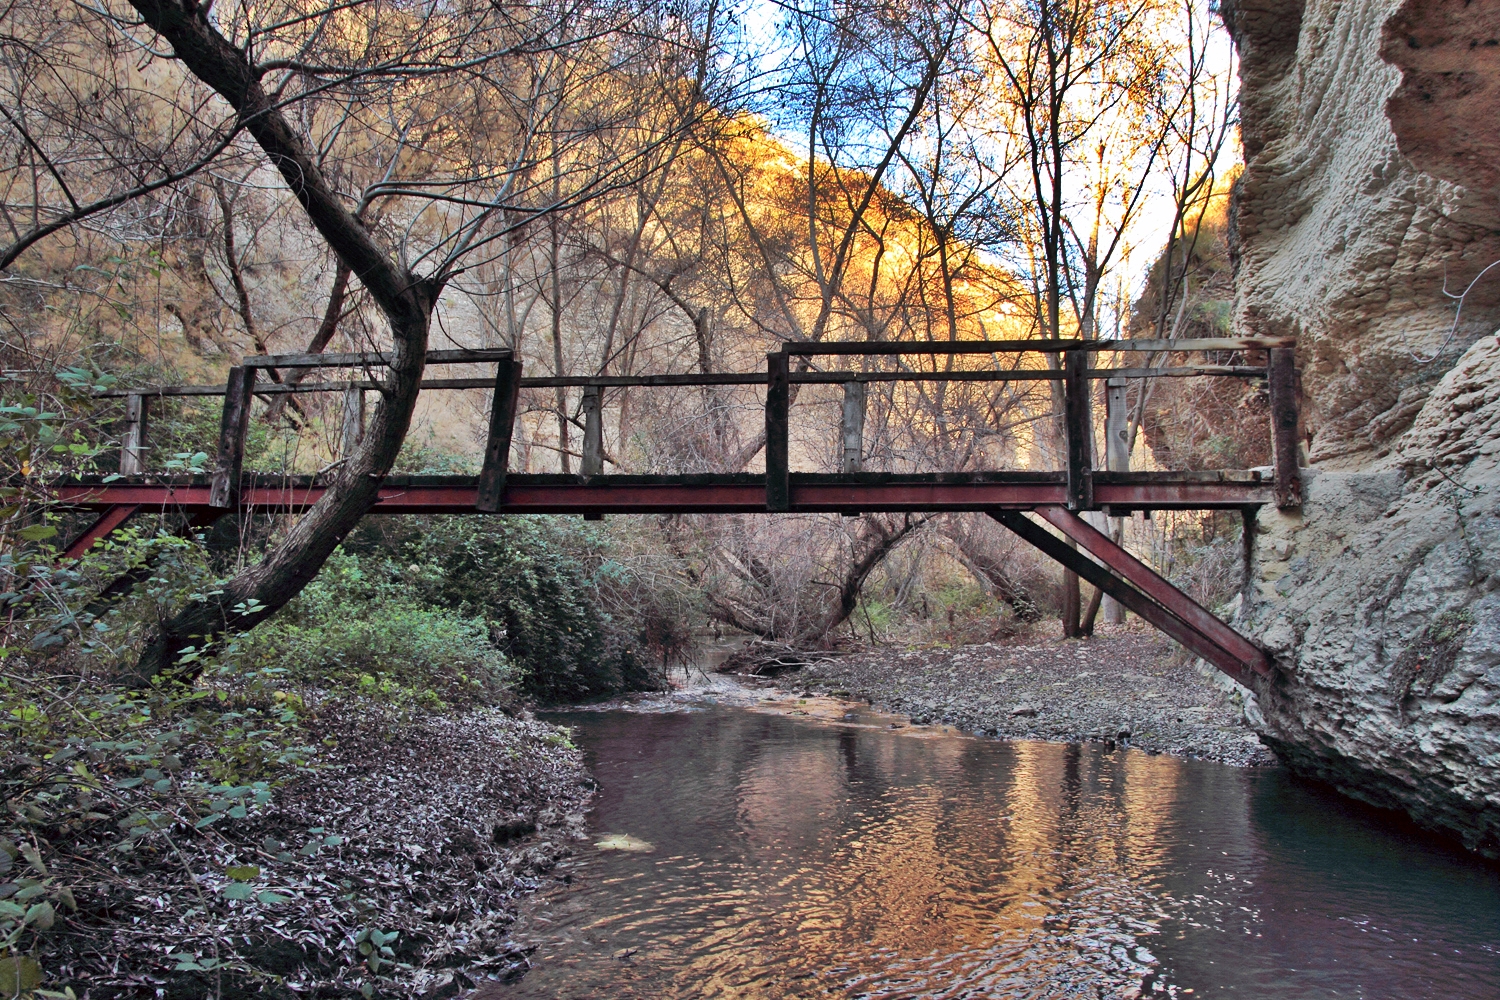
(111, 519)
(685, 494)
(1060, 551)
(1143, 577)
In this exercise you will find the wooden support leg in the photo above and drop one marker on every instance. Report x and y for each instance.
(1282, 377)
(352, 424)
(593, 432)
(1080, 432)
(233, 425)
(1049, 544)
(497, 447)
(1116, 459)
(133, 444)
(853, 428)
(778, 406)
(593, 438)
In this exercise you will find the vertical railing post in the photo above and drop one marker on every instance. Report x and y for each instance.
(491, 493)
(593, 431)
(853, 428)
(234, 423)
(133, 444)
(1282, 378)
(1079, 430)
(1116, 459)
(778, 406)
(352, 424)
(1116, 426)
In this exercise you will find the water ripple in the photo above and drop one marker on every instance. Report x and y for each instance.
(797, 859)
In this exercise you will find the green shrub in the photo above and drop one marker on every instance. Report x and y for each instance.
(536, 580)
(353, 634)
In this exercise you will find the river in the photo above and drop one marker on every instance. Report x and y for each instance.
(759, 855)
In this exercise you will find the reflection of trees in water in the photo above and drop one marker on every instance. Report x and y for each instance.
(946, 846)
(798, 860)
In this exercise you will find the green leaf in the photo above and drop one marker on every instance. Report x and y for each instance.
(33, 859)
(41, 916)
(37, 532)
(272, 898)
(10, 911)
(18, 974)
(238, 812)
(237, 890)
(243, 873)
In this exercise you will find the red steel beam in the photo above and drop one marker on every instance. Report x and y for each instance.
(111, 519)
(1154, 586)
(525, 494)
(1113, 585)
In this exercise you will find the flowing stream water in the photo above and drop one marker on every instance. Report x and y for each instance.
(760, 855)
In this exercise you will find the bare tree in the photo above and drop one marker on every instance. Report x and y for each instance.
(458, 122)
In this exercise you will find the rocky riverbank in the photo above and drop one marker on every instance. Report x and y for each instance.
(1126, 685)
(411, 840)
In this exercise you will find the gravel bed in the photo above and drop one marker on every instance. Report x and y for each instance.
(1123, 686)
(426, 829)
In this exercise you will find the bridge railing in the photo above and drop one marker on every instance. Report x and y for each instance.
(1071, 367)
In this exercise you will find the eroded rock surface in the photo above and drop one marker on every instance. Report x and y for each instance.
(1372, 131)
(1340, 238)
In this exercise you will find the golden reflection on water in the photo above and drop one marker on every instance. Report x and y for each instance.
(802, 860)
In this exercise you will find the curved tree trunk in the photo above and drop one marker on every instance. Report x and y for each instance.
(877, 541)
(991, 572)
(406, 300)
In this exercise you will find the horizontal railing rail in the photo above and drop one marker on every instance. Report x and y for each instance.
(1069, 366)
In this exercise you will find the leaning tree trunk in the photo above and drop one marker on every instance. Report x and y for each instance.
(406, 300)
(878, 539)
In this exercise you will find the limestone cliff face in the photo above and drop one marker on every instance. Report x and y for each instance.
(1372, 134)
(1341, 239)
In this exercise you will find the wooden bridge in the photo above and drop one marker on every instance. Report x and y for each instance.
(1056, 497)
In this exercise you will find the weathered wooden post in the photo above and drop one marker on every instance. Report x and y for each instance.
(234, 423)
(497, 447)
(1116, 426)
(133, 443)
(778, 406)
(593, 438)
(1116, 459)
(1079, 430)
(352, 425)
(593, 432)
(853, 427)
(1281, 375)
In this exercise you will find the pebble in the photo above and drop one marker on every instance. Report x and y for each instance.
(1125, 686)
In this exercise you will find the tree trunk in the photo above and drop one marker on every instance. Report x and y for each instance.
(406, 300)
(1071, 599)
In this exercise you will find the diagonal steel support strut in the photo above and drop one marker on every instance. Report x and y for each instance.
(1140, 589)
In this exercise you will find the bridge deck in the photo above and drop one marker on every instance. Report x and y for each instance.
(706, 493)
